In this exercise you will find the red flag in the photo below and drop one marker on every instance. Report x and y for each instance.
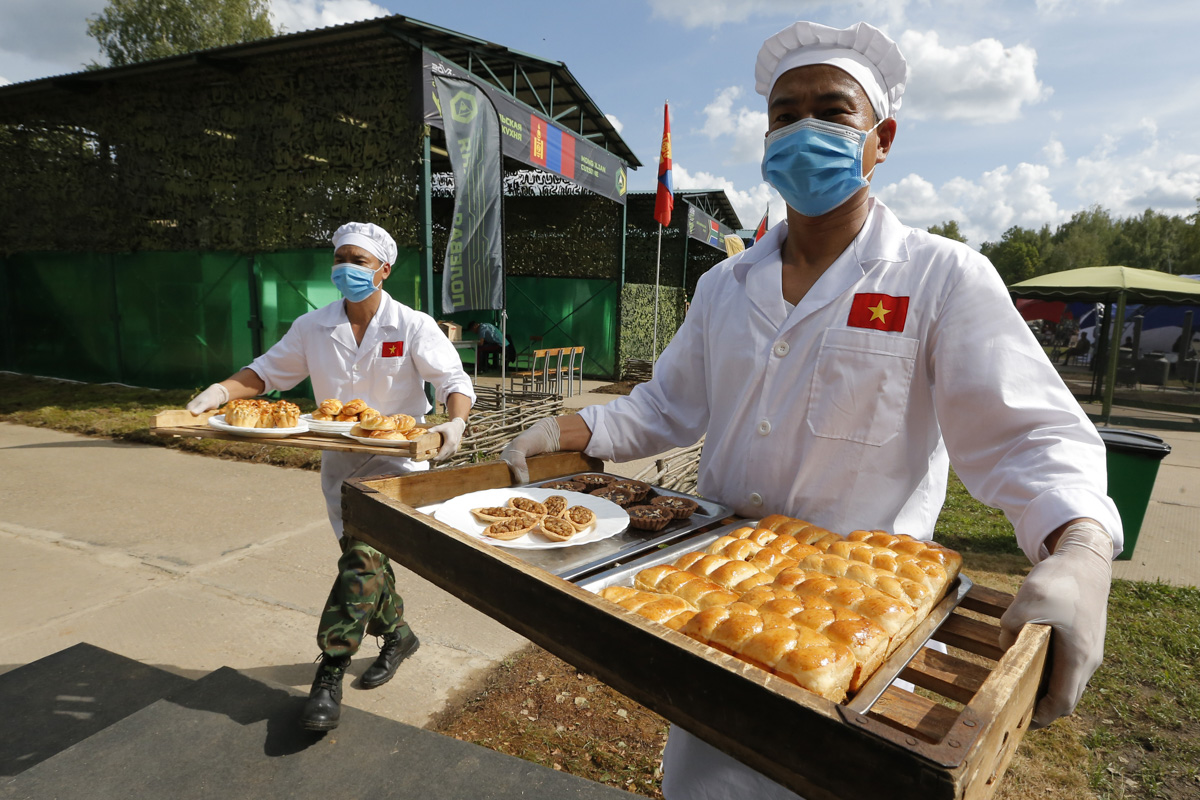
(664, 203)
(762, 226)
(880, 312)
(391, 350)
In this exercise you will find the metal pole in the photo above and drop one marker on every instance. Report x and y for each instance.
(1114, 346)
(657, 267)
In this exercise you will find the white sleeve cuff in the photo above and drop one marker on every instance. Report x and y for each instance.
(1057, 507)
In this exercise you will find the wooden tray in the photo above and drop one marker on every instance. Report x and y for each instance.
(180, 422)
(905, 747)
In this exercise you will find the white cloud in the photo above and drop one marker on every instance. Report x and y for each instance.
(4, 81)
(1054, 153)
(616, 123)
(982, 82)
(983, 208)
(1061, 8)
(292, 16)
(746, 127)
(749, 204)
(1155, 177)
(714, 13)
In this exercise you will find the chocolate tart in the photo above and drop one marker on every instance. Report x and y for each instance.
(681, 507)
(650, 518)
(622, 497)
(593, 480)
(639, 488)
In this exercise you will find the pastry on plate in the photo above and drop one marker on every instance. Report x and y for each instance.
(389, 435)
(328, 410)
(581, 517)
(622, 497)
(512, 528)
(556, 505)
(242, 413)
(593, 480)
(404, 422)
(527, 505)
(650, 518)
(377, 423)
(351, 410)
(285, 414)
(639, 489)
(496, 513)
(564, 486)
(557, 529)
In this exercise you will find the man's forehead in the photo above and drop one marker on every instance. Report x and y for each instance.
(354, 251)
(816, 80)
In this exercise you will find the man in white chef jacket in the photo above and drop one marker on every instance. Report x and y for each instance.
(370, 347)
(841, 363)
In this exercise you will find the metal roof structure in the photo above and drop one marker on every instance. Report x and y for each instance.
(546, 87)
(713, 202)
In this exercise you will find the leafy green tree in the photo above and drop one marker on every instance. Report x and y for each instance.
(1083, 241)
(950, 230)
(130, 31)
(1020, 253)
(1153, 241)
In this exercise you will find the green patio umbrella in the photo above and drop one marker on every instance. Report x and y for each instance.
(1118, 285)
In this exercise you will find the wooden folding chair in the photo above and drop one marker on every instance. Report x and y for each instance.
(574, 368)
(535, 376)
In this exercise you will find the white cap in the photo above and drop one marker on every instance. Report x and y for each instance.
(862, 50)
(370, 237)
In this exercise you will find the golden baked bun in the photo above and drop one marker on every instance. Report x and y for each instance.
(328, 410)
(266, 414)
(404, 423)
(357, 430)
(395, 435)
(285, 414)
(367, 413)
(379, 423)
(354, 407)
(242, 414)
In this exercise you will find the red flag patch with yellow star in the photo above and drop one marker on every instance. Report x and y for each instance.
(880, 312)
(392, 349)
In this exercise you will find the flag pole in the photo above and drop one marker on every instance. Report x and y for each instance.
(657, 267)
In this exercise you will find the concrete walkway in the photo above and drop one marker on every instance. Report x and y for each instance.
(191, 563)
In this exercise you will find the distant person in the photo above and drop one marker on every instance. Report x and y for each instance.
(492, 340)
(1080, 348)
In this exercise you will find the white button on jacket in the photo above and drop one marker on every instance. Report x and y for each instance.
(401, 349)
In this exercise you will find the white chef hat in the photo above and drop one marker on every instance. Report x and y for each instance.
(862, 50)
(370, 237)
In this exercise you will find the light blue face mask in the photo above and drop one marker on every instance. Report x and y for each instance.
(354, 282)
(815, 165)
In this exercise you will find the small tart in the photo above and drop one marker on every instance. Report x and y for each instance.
(581, 517)
(639, 489)
(681, 507)
(564, 486)
(528, 505)
(496, 513)
(556, 505)
(557, 529)
(650, 518)
(593, 480)
(622, 497)
(512, 528)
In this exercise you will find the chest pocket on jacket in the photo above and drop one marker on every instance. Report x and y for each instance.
(861, 385)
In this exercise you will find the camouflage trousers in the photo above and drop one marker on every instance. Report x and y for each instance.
(363, 601)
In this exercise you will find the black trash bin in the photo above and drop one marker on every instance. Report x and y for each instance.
(1133, 459)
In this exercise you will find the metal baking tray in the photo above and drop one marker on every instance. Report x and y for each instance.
(577, 562)
(623, 575)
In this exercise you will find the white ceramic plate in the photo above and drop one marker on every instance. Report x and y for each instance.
(327, 426)
(378, 442)
(220, 424)
(611, 519)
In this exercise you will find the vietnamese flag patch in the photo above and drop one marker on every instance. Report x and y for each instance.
(392, 349)
(880, 312)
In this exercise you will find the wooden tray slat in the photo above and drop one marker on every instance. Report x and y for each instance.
(913, 714)
(988, 601)
(945, 674)
(972, 635)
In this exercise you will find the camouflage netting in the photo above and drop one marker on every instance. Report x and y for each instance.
(270, 157)
(637, 319)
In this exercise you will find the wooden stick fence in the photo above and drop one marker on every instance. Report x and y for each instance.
(679, 471)
(491, 429)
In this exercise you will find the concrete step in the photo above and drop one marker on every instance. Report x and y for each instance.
(230, 736)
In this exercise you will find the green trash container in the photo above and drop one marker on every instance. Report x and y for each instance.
(1133, 459)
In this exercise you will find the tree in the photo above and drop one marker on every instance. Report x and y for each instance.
(1018, 254)
(130, 31)
(1083, 241)
(950, 230)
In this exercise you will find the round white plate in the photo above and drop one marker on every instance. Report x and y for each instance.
(611, 519)
(379, 442)
(327, 426)
(220, 424)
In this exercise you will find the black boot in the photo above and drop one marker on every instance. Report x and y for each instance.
(395, 649)
(324, 706)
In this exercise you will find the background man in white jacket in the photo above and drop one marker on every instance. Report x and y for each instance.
(840, 364)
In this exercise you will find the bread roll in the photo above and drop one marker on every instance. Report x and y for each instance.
(389, 435)
(377, 423)
(665, 609)
(328, 410)
(697, 591)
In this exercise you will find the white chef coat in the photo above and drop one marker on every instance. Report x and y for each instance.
(401, 349)
(852, 428)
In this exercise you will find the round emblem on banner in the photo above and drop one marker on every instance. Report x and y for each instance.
(463, 107)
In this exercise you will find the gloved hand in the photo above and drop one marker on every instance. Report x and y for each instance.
(1068, 591)
(541, 437)
(452, 433)
(214, 396)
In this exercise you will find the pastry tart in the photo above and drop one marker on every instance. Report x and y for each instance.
(557, 529)
(556, 505)
(593, 480)
(564, 486)
(621, 497)
(581, 517)
(639, 489)
(496, 513)
(650, 518)
(528, 505)
(511, 528)
(681, 507)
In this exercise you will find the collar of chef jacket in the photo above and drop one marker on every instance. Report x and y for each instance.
(883, 239)
(333, 316)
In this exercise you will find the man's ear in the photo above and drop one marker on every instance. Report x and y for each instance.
(885, 135)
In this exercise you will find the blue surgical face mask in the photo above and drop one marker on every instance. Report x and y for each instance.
(815, 165)
(354, 282)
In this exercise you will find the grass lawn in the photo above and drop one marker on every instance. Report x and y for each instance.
(1136, 733)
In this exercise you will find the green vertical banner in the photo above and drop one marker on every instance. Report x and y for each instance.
(474, 266)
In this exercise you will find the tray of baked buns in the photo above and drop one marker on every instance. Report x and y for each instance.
(808, 654)
(347, 427)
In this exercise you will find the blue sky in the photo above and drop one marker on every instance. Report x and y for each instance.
(1017, 112)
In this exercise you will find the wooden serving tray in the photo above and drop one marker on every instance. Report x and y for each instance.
(907, 746)
(180, 422)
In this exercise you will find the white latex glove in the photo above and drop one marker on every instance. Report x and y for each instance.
(1068, 591)
(214, 396)
(541, 437)
(452, 433)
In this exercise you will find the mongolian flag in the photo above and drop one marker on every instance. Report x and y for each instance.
(665, 201)
(761, 230)
(880, 312)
